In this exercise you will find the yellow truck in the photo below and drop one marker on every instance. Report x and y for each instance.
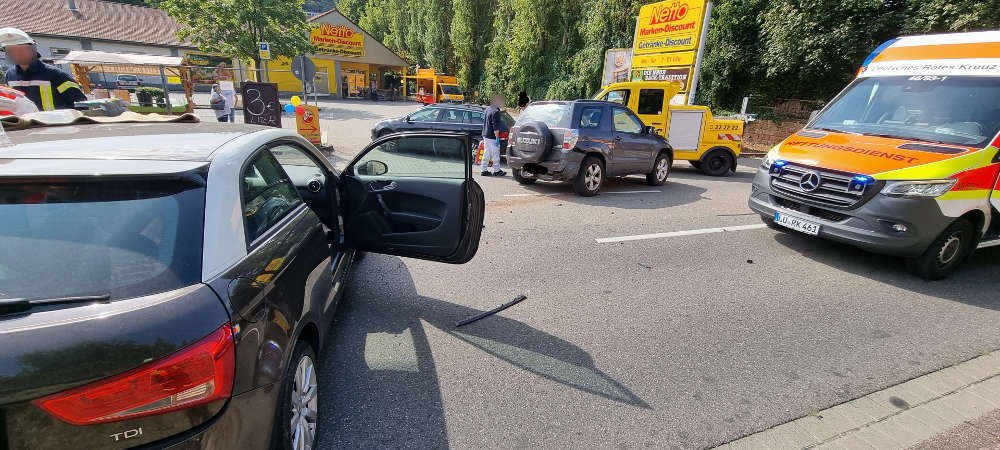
(709, 144)
(429, 87)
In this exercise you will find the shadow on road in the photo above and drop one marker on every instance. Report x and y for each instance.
(974, 283)
(380, 380)
(673, 193)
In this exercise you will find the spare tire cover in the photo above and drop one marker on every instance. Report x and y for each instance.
(531, 141)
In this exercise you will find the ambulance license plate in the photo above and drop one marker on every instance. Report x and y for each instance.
(796, 224)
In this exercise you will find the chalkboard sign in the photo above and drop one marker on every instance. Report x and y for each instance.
(260, 104)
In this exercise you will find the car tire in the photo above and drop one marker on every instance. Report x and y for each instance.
(519, 176)
(661, 170)
(590, 178)
(946, 253)
(292, 417)
(717, 163)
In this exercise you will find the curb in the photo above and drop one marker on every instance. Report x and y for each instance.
(897, 417)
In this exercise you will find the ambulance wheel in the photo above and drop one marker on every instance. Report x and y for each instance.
(717, 163)
(946, 253)
(523, 177)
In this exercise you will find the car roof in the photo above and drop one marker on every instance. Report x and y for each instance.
(124, 141)
(457, 106)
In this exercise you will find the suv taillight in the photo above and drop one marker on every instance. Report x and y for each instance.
(569, 139)
(200, 373)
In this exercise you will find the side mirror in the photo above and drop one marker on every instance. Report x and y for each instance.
(408, 119)
(372, 168)
(650, 130)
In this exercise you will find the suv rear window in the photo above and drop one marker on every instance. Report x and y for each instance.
(552, 114)
(124, 238)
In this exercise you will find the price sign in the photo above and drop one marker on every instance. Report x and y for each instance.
(260, 104)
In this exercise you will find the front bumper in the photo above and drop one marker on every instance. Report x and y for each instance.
(564, 168)
(866, 226)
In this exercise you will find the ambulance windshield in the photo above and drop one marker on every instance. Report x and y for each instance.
(941, 109)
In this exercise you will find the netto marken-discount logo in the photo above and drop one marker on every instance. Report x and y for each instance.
(668, 13)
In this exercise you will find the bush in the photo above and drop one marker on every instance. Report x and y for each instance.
(157, 93)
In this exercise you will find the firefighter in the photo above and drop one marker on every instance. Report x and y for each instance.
(48, 87)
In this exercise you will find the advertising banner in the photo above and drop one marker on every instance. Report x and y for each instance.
(664, 60)
(681, 75)
(307, 124)
(209, 69)
(337, 40)
(669, 26)
(261, 105)
(617, 62)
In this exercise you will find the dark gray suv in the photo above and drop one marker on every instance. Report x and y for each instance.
(584, 142)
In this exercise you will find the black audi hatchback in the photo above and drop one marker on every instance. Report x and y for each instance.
(171, 284)
(466, 119)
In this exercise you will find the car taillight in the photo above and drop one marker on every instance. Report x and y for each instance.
(569, 139)
(200, 373)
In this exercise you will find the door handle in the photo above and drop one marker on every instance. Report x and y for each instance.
(382, 186)
(618, 138)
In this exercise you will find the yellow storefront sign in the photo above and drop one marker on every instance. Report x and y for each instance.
(669, 26)
(664, 59)
(337, 40)
(307, 124)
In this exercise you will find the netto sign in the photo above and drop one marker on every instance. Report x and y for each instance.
(672, 25)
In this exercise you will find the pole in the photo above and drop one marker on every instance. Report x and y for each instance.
(263, 74)
(701, 53)
(166, 91)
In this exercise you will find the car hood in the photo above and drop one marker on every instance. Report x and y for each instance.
(870, 155)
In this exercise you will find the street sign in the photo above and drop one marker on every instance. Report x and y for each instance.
(307, 124)
(264, 50)
(303, 68)
(260, 104)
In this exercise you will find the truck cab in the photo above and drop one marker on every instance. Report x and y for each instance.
(429, 87)
(904, 161)
(709, 144)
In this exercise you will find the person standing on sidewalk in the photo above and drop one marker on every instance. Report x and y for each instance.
(493, 127)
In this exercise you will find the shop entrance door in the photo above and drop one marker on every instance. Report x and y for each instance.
(356, 83)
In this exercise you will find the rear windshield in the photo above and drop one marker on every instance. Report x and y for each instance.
(451, 89)
(942, 109)
(121, 238)
(552, 114)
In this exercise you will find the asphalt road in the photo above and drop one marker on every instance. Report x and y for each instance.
(686, 341)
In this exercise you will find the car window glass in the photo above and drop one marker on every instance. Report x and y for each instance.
(298, 165)
(268, 195)
(625, 123)
(425, 115)
(476, 117)
(423, 157)
(650, 101)
(620, 96)
(454, 116)
(591, 117)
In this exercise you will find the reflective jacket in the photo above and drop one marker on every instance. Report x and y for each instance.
(47, 86)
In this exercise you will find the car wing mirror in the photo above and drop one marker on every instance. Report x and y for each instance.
(372, 168)
(650, 130)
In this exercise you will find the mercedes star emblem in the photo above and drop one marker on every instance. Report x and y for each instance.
(810, 181)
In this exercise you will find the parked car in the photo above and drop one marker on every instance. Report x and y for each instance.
(467, 119)
(584, 142)
(172, 284)
(125, 81)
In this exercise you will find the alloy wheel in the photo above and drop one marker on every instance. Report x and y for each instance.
(592, 178)
(304, 405)
(662, 169)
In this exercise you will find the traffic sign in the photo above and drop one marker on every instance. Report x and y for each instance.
(264, 50)
(303, 68)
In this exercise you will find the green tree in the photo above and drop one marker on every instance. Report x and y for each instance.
(496, 79)
(374, 19)
(437, 42)
(471, 31)
(952, 15)
(234, 27)
(415, 31)
(352, 9)
(732, 66)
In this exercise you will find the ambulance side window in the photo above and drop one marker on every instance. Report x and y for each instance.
(650, 101)
(620, 96)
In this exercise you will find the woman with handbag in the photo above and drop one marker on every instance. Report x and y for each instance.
(223, 112)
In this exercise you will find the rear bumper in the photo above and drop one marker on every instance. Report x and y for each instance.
(867, 226)
(245, 423)
(563, 169)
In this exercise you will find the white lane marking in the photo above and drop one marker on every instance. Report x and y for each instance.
(615, 192)
(640, 237)
(992, 243)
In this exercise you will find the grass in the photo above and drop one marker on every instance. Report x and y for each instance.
(179, 109)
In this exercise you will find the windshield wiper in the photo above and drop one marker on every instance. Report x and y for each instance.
(18, 305)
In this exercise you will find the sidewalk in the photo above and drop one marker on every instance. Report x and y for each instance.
(956, 407)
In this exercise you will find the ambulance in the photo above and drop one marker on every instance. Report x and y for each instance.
(709, 144)
(429, 87)
(904, 161)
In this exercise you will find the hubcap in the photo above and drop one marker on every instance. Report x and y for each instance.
(592, 178)
(661, 169)
(303, 405)
(950, 249)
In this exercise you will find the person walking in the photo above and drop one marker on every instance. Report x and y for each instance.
(222, 103)
(46, 86)
(493, 127)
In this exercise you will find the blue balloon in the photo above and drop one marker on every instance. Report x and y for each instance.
(289, 108)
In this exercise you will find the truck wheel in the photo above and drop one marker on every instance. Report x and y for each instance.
(717, 163)
(590, 178)
(523, 177)
(945, 254)
(696, 164)
(661, 169)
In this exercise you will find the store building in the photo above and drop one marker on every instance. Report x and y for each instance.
(347, 59)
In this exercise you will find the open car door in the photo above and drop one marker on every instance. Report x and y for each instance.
(413, 195)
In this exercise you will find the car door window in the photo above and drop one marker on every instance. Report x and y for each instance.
(425, 157)
(590, 117)
(298, 165)
(476, 117)
(268, 195)
(620, 96)
(625, 122)
(454, 116)
(650, 101)
(425, 115)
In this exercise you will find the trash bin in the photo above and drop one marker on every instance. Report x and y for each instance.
(144, 98)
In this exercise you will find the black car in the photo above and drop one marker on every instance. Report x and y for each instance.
(583, 142)
(171, 284)
(466, 119)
